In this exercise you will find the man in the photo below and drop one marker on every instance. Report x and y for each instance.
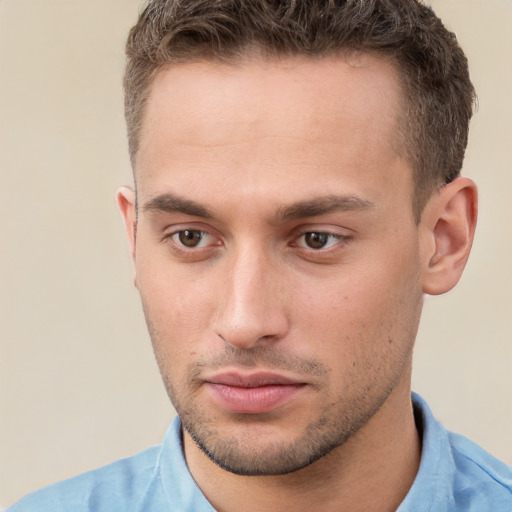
(297, 192)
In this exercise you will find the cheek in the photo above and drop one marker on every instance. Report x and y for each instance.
(177, 311)
(172, 293)
(365, 310)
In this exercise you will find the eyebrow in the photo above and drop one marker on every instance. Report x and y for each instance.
(322, 206)
(170, 203)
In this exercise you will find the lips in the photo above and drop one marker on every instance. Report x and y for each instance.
(253, 393)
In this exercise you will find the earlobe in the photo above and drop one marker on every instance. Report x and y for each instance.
(449, 223)
(126, 203)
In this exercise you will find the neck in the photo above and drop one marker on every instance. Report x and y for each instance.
(372, 471)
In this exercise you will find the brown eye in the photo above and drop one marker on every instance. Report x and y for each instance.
(190, 238)
(316, 240)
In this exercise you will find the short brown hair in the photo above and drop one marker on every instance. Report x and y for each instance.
(439, 96)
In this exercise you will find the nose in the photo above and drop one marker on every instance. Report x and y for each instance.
(252, 307)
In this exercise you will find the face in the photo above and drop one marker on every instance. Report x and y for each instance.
(276, 254)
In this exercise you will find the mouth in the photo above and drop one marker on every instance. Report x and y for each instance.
(254, 393)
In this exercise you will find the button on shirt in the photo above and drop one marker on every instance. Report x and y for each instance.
(455, 475)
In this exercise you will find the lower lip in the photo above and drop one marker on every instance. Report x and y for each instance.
(253, 400)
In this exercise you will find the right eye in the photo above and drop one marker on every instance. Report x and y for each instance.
(192, 239)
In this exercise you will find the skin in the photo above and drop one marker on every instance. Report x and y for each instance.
(275, 233)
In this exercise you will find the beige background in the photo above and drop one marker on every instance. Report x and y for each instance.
(78, 385)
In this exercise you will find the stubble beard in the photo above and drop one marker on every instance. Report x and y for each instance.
(240, 456)
(245, 453)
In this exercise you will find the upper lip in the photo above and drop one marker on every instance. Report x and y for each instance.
(252, 380)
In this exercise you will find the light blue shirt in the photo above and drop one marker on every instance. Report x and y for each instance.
(455, 475)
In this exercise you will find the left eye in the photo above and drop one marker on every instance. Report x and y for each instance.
(191, 238)
(317, 240)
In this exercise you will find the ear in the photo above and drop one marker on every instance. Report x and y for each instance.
(447, 229)
(126, 203)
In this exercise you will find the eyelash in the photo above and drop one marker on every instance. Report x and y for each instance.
(336, 239)
(179, 247)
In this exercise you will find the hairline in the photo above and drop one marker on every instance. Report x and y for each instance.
(249, 54)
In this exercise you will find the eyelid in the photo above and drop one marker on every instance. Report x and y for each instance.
(341, 235)
(204, 234)
(171, 231)
(333, 236)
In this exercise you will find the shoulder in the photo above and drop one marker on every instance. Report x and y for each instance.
(480, 473)
(154, 480)
(455, 474)
(106, 489)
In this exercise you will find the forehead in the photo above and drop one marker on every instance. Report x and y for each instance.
(297, 117)
(326, 87)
